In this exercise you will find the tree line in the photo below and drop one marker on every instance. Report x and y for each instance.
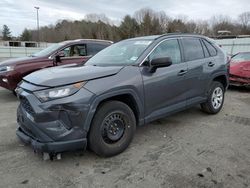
(144, 22)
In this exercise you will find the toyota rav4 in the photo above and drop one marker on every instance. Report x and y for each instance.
(128, 84)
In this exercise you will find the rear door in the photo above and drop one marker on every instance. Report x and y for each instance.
(199, 64)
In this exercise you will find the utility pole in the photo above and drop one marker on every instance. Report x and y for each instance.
(37, 17)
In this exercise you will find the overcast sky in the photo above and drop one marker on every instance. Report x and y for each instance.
(18, 14)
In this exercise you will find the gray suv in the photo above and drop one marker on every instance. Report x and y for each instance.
(128, 84)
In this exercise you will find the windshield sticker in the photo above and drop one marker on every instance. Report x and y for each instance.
(133, 58)
(144, 42)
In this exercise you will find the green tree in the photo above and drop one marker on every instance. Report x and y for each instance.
(6, 33)
(129, 27)
(177, 25)
(26, 35)
(156, 27)
(146, 25)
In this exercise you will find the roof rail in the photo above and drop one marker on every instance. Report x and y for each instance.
(178, 33)
(97, 40)
(100, 40)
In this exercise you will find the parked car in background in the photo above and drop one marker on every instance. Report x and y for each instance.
(75, 51)
(128, 84)
(240, 69)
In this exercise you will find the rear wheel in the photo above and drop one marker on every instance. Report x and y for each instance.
(112, 129)
(215, 99)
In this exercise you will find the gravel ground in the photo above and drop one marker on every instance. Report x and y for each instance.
(188, 149)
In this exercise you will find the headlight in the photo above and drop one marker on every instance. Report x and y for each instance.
(6, 68)
(60, 92)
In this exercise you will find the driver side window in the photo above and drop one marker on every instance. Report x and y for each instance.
(169, 48)
(66, 51)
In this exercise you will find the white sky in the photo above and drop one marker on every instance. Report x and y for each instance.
(18, 14)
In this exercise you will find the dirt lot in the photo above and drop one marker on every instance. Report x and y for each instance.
(189, 149)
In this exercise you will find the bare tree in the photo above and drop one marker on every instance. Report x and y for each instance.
(143, 22)
(202, 27)
(163, 20)
(140, 14)
(222, 22)
(98, 17)
(244, 18)
(191, 26)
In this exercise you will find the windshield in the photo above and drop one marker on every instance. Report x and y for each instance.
(48, 50)
(122, 53)
(241, 57)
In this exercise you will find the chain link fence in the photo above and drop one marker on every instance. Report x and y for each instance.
(10, 52)
(233, 46)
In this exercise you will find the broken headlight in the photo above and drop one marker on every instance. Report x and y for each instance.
(59, 92)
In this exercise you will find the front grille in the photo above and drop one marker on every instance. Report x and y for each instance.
(26, 105)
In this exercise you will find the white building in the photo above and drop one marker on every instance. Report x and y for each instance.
(32, 44)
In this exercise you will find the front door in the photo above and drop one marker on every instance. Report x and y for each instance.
(74, 54)
(165, 90)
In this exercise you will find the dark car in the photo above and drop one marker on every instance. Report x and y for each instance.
(128, 84)
(240, 69)
(77, 51)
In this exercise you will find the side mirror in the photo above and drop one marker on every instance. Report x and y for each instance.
(58, 56)
(61, 54)
(159, 62)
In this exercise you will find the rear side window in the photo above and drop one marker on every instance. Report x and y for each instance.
(206, 53)
(211, 49)
(192, 49)
(93, 48)
(81, 49)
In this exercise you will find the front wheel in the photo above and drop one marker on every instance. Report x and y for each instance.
(215, 99)
(112, 129)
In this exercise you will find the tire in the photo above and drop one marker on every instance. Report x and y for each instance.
(112, 129)
(215, 96)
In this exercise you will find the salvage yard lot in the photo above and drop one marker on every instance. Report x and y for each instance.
(188, 149)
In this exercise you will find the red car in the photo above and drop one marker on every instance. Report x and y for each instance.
(77, 51)
(240, 69)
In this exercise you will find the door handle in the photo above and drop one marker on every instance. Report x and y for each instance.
(182, 72)
(211, 64)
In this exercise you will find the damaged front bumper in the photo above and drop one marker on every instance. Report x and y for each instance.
(55, 126)
(51, 147)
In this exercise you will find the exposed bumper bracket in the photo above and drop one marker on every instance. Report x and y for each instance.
(52, 147)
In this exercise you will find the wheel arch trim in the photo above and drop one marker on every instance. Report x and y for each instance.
(99, 99)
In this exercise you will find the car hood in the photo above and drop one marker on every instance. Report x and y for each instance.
(241, 69)
(63, 75)
(14, 61)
